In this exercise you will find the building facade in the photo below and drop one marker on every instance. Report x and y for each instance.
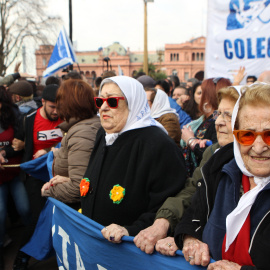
(186, 60)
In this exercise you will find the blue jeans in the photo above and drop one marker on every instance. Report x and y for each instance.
(18, 192)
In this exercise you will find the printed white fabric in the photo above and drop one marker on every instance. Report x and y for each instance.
(237, 217)
(139, 110)
(161, 105)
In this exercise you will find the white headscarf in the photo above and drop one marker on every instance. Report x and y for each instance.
(237, 217)
(139, 110)
(161, 105)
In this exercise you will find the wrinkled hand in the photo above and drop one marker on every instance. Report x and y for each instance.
(114, 233)
(46, 186)
(239, 76)
(39, 153)
(58, 179)
(224, 265)
(147, 238)
(195, 251)
(187, 133)
(166, 246)
(17, 144)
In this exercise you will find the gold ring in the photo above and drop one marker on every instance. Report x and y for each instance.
(169, 245)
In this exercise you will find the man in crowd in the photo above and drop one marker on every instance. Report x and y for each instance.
(22, 96)
(41, 135)
(251, 79)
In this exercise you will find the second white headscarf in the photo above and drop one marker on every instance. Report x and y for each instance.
(161, 105)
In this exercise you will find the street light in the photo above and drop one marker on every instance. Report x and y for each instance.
(145, 60)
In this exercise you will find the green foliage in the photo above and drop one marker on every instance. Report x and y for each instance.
(156, 75)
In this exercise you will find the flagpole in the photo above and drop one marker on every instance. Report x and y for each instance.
(70, 27)
(145, 59)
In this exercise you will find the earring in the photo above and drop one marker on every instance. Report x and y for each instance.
(205, 109)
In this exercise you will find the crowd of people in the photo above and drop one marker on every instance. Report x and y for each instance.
(177, 166)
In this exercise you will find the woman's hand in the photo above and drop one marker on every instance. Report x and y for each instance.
(114, 233)
(147, 238)
(166, 246)
(195, 251)
(58, 179)
(187, 133)
(54, 150)
(224, 265)
(46, 186)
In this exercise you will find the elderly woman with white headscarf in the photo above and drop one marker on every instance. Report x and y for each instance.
(162, 112)
(134, 165)
(230, 213)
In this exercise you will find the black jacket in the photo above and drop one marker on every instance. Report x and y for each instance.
(147, 163)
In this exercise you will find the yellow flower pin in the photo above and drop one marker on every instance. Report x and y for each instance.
(117, 194)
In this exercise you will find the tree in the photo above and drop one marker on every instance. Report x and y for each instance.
(23, 21)
(156, 75)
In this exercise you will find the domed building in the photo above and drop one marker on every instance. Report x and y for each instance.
(186, 60)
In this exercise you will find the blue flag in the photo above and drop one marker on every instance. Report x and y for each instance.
(63, 54)
(79, 244)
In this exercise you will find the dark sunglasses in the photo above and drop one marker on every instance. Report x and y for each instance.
(247, 137)
(111, 101)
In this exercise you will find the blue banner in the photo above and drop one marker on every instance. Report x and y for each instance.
(79, 244)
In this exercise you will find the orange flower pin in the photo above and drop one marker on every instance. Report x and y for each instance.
(84, 186)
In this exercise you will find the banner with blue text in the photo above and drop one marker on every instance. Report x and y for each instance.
(238, 34)
(79, 244)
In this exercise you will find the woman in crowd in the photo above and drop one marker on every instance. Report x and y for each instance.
(134, 166)
(162, 112)
(170, 213)
(9, 177)
(75, 105)
(229, 216)
(198, 133)
(192, 105)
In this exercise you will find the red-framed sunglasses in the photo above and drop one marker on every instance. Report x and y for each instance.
(111, 101)
(247, 137)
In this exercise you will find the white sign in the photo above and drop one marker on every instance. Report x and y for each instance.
(238, 35)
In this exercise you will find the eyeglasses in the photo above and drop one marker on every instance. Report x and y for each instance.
(247, 137)
(111, 101)
(227, 117)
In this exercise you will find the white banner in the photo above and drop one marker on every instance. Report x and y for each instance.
(238, 35)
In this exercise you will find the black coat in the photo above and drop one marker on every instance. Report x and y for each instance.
(147, 163)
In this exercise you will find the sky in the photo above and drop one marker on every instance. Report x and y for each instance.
(99, 23)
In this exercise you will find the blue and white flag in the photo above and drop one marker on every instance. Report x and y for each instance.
(237, 35)
(63, 54)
